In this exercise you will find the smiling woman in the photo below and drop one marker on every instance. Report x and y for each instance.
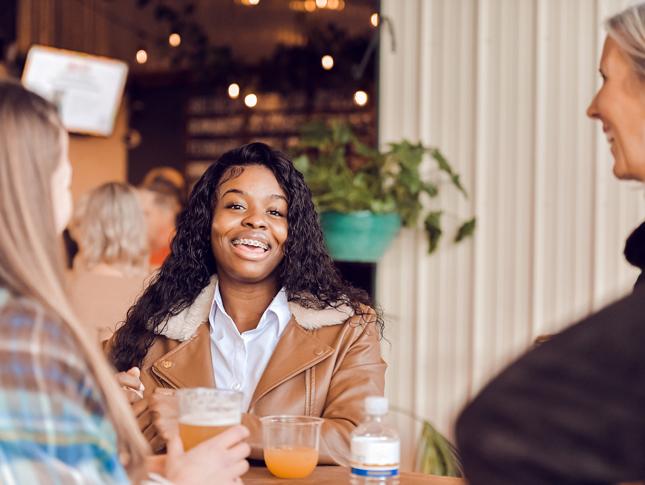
(250, 300)
(620, 106)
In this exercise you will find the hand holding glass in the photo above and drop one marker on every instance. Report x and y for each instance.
(204, 413)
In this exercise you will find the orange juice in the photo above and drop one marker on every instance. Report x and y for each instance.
(291, 462)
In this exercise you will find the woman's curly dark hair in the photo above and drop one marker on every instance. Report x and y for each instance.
(306, 272)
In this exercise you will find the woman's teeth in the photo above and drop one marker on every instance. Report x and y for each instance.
(251, 242)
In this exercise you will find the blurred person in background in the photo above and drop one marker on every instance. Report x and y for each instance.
(168, 174)
(162, 196)
(70, 234)
(112, 263)
(63, 418)
(249, 299)
(572, 411)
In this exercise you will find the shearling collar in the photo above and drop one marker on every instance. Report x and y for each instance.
(184, 325)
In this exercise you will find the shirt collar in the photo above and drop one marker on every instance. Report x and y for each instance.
(278, 308)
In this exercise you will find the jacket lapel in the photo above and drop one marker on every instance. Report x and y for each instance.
(190, 363)
(296, 351)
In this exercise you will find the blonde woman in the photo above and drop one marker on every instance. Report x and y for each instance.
(63, 419)
(572, 411)
(112, 264)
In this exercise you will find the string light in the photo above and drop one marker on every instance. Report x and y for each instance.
(142, 56)
(234, 90)
(374, 19)
(360, 98)
(327, 62)
(254, 2)
(174, 39)
(312, 5)
(251, 100)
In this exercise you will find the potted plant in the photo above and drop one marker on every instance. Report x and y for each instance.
(364, 195)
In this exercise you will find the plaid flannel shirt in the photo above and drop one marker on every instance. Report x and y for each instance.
(53, 424)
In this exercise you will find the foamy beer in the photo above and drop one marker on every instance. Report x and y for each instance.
(204, 413)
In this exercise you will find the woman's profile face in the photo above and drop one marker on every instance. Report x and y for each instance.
(61, 187)
(620, 106)
(249, 226)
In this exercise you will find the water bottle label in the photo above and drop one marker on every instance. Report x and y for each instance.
(368, 452)
(375, 472)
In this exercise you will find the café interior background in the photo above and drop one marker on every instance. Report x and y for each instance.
(501, 86)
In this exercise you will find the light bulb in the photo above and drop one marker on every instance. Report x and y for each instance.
(174, 39)
(360, 98)
(233, 90)
(327, 62)
(251, 100)
(142, 56)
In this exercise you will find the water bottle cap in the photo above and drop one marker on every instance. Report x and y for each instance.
(376, 405)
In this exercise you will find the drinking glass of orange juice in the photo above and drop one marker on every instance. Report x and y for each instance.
(291, 445)
(204, 413)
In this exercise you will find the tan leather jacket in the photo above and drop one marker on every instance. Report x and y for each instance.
(324, 365)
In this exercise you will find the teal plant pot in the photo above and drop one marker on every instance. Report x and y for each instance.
(359, 236)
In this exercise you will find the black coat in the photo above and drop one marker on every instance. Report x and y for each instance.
(571, 411)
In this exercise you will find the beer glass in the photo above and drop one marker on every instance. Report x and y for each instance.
(291, 445)
(204, 413)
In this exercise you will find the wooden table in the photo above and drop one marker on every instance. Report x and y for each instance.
(336, 475)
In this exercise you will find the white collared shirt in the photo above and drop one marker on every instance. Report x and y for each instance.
(239, 360)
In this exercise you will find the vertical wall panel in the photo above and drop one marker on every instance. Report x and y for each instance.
(501, 86)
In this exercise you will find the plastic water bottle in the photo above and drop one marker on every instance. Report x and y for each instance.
(375, 447)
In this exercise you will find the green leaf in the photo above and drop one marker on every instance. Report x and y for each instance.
(382, 206)
(433, 229)
(436, 455)
(444, 166)
(431, 189)
(366, 151)
(302, 164)
(466, 230)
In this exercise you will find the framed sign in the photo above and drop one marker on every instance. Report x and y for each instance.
(87, 89)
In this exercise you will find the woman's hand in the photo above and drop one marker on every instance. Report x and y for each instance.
(164, 407)
(218, 460)
(131, 383)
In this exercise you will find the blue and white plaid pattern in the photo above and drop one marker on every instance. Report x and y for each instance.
(53, 424)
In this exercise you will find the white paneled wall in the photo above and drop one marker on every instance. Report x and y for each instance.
(501, 86)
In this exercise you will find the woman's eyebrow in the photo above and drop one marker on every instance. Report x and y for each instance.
(241, 192)
(234, 191)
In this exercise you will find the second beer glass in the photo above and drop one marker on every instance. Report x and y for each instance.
(204, 413)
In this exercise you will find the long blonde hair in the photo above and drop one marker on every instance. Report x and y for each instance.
(31, 265)
(627, 28)
(110, 229)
